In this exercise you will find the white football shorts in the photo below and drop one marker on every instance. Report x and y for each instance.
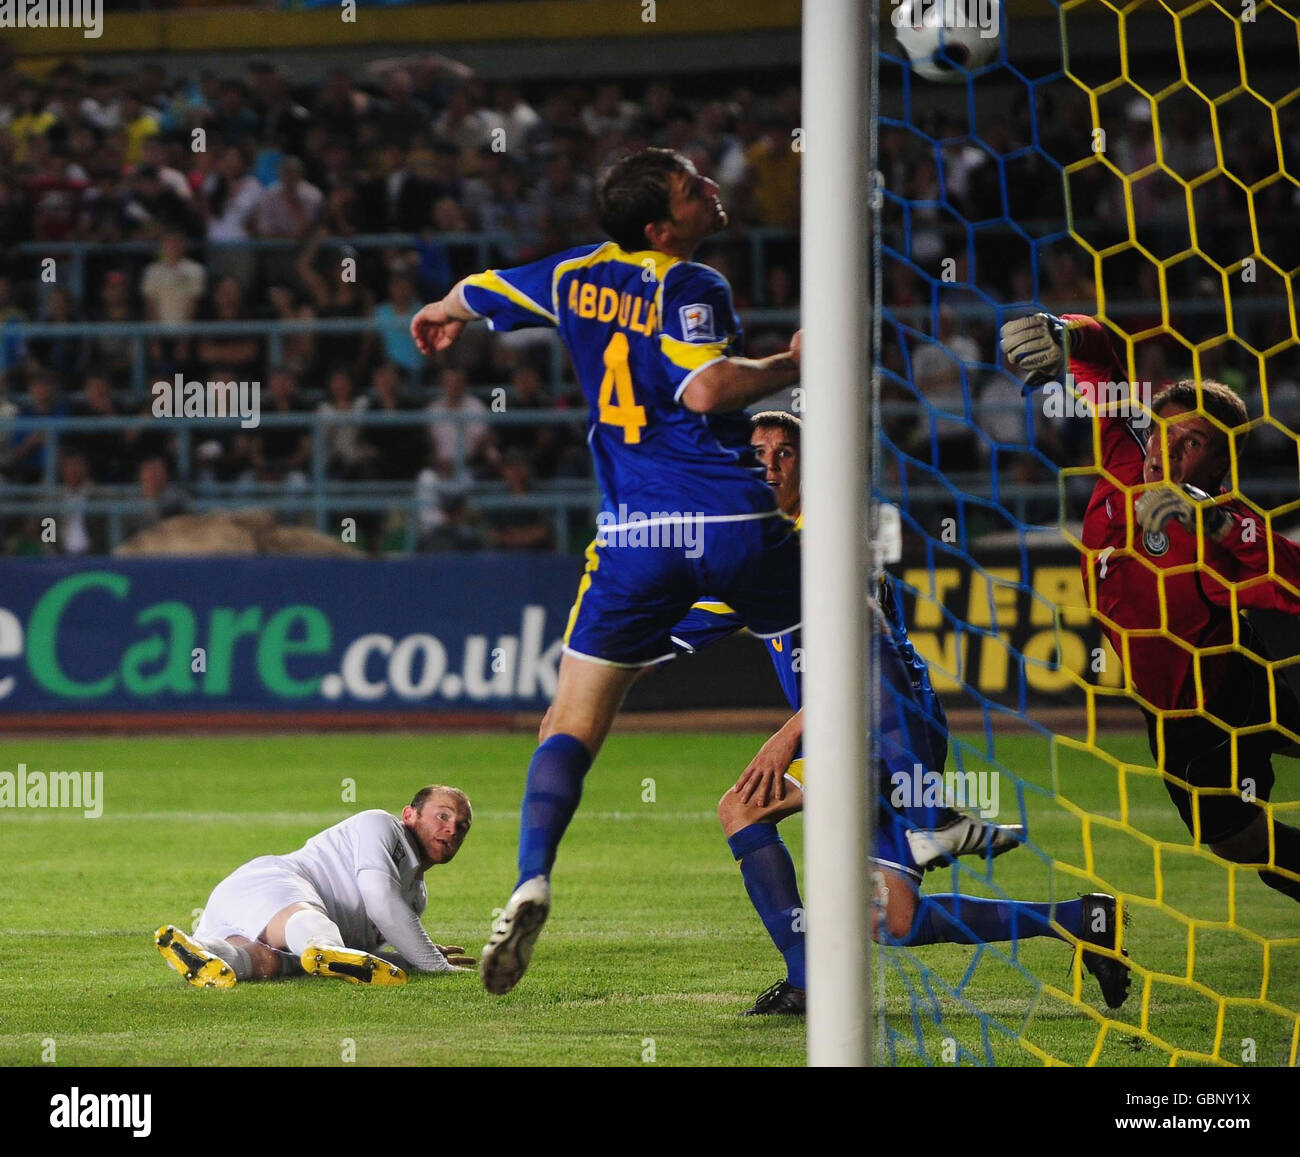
(244, 903)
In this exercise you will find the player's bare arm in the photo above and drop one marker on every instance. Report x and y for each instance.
(734, 383)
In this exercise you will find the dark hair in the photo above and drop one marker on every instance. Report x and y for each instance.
(778, 420)
(1219, 401)
(633, 193)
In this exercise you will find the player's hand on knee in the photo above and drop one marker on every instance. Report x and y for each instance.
(762, 782)
(1180, 502)
(1039, 345)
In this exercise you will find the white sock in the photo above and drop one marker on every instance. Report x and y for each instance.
(308, 926)
(232, 954)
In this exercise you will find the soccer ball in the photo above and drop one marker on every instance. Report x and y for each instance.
(944, 37)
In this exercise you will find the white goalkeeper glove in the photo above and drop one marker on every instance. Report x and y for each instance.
(1181, 501)
(1040, 345)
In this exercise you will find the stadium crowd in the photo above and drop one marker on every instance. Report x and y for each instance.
(193, 165)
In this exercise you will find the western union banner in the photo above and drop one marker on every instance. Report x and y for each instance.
(1016, 628)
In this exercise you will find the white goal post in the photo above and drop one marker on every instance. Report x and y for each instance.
(838, 40)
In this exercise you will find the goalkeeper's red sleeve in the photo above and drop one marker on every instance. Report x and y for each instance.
(1092, 360)
(1242, 554)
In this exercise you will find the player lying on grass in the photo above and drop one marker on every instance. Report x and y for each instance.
(935, 834)
(903, 914)
(1160, 542)
(330, 907)
(654, 340)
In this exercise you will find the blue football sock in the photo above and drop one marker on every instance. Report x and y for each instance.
(551, 795)
(768, 872)
(954, 919)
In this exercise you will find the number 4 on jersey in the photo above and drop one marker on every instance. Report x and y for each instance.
(624, 411)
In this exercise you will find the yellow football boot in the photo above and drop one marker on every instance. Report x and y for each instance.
(350, 964)
(195, 964)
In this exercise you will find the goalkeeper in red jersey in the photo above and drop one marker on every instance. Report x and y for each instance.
(1169, 563)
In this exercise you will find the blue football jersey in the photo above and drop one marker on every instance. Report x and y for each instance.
(639, 327)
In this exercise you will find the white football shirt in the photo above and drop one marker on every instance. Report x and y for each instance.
(367, 871)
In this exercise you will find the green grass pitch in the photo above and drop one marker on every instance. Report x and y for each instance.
(652, 947)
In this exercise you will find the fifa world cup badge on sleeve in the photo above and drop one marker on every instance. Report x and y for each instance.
(697, 322)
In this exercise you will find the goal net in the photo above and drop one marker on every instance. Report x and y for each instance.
(1138, 163)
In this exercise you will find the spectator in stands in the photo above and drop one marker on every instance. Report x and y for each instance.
(398, 451)
(446, 521)
(397, 199)
(284, 122)
(15, 219)
(339, 105)
(608, 112)
(518, 527)
(458, 445)
(565, 197)
(172, 287)
(394, 317)
(238, 352)
(229, 196)
(114, 353)
(30, 119)
(154, 151)
(541, 442)
(233, 122)
(12, 347)
(330, 279)
(63, 356)
(516, 116)
(290, 207)
(298, 350)
(103, 216)
(506, 209)
(105, 451)
(30, 448)
(403, 114)
(347, 452)
(56, 190)
(283, 452)
(152, 208)
(772, 177)
(937, 371)
(161, 497)
(139, 122)
(76, 531)
(461, 124)
(8, 412)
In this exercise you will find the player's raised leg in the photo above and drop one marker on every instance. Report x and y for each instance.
(587, 699)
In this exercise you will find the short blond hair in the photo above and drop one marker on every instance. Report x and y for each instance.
(426, 793)
(1217, 399)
